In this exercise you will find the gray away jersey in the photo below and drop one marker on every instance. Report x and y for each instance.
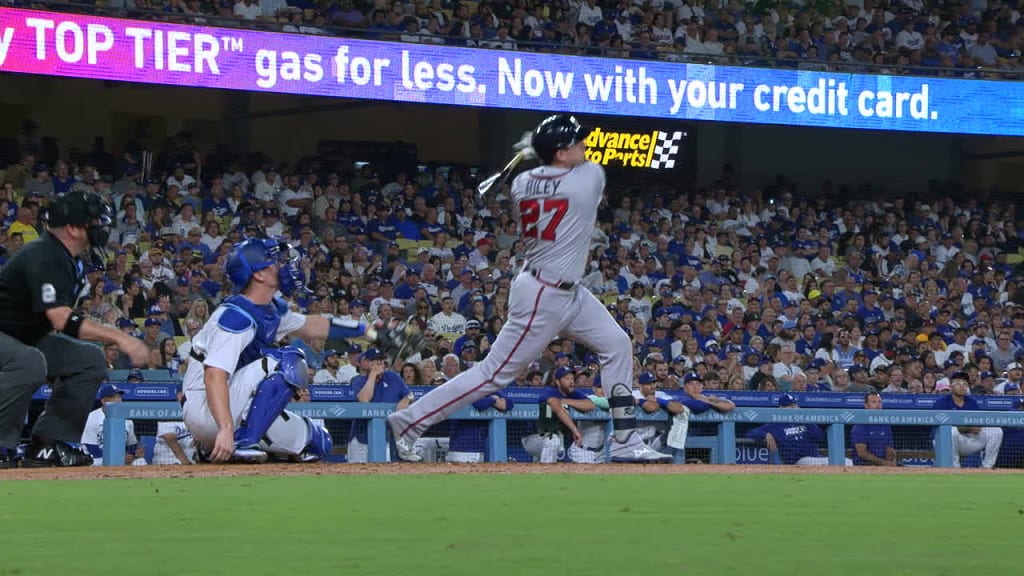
(556, 209)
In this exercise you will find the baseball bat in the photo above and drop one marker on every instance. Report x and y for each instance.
(497, 179)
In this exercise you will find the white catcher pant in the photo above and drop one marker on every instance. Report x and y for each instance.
(289, 434)
(988, 440)
(538, 313)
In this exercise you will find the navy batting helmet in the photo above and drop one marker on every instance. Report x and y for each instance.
(557, 132)
(251, 256)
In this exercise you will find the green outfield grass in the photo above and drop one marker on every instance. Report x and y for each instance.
(500, 525)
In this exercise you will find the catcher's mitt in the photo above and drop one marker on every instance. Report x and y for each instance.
(399, 340)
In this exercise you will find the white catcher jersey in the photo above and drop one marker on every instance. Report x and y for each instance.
(223, 348)
(557, 209)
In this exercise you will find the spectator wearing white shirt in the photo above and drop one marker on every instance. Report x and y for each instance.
(690, 10)
(946, 250)
(908, 37)
(247, 9)
(295, 198)
(824, 264)
(268, 189)
(447, 321)
(350, 370)
(329, 374)
(590, 13)
(179, 178)
(272, 8)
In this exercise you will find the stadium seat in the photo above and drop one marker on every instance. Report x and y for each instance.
(117, 375)
(404, 244)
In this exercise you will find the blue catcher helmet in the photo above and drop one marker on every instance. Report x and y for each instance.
(251, 256)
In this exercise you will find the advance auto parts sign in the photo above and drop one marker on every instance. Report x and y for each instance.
(656, 150)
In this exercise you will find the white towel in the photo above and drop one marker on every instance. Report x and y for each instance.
(680, 426)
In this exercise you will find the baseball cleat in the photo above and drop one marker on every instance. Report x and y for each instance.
(248, 456)
(635, 451)
(56, 455)
(403, 447)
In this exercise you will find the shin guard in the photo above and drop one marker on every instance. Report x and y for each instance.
(271, 397)
(623, 408)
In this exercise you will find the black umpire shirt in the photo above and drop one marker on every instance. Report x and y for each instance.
(42, 275)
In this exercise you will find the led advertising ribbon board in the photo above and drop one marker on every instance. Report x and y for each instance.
(85, 46)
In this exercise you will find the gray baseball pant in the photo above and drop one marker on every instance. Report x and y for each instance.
(77, 368)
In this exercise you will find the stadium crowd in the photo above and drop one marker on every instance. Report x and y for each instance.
(977, 39)
(751, 289)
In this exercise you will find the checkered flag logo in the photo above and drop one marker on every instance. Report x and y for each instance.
(665, 150)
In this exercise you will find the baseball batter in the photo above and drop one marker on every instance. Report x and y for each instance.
(556, 207)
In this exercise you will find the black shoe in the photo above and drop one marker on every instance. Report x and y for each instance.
(56, 455)
(5, 460)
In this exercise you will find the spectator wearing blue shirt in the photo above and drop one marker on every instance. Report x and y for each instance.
(467, 440)
(872, 443)
(378, 385)
(216, 202)
(969, 440)
(405, 227)
(794, 443)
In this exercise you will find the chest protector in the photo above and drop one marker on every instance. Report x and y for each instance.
(241, 314)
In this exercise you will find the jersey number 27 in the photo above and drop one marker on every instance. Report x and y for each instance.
(530, 212)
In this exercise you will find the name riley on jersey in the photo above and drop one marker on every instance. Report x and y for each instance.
(542, 187)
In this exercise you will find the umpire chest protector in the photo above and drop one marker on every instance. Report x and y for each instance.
(241, 314)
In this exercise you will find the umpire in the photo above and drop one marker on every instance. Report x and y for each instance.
(41, 334)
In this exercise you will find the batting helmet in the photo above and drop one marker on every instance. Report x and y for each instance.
(85, 208)
(251, 256)
(557, 132)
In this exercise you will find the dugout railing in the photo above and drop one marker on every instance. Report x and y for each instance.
(722, 444)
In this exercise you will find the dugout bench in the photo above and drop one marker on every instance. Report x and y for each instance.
(722, 445)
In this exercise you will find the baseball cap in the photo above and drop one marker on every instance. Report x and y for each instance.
(472, 324)
(942, 384)
(1013, 366)
(329, 353)
(109, 390)
(564, 370)
(591, 359)
(152, 322)
(136, 374)
(371, 354)
(691, 377)
(126, 323)
(646, 378)
(355, 349)
(469, 345)
(959, 376)
(854, 368)
(787, 400)
(154, 310)
(986, 374)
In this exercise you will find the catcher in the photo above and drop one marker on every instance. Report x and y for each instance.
(237, 390)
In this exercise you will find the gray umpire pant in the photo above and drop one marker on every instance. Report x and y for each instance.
(77, 368)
